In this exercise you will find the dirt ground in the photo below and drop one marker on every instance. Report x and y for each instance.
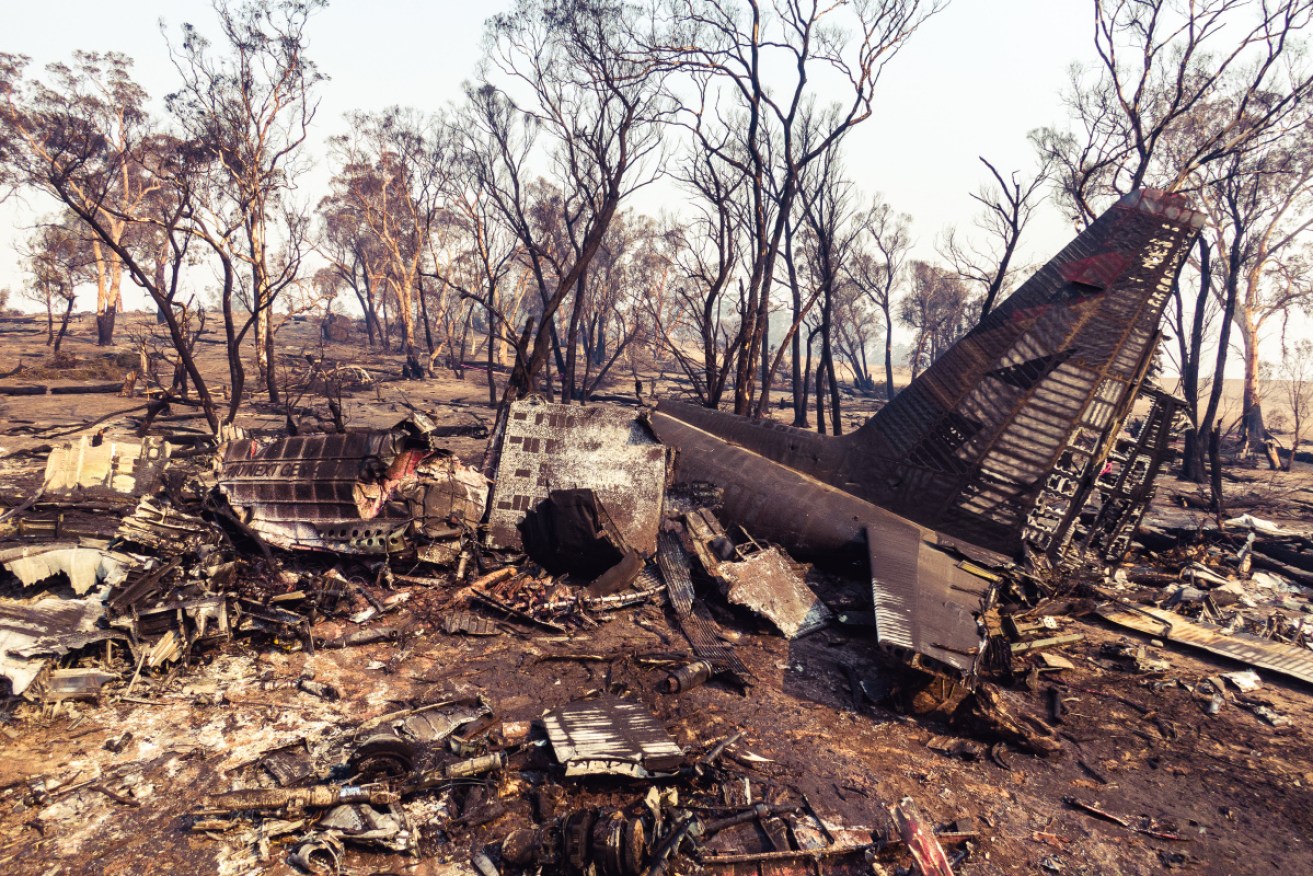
(1234, 793)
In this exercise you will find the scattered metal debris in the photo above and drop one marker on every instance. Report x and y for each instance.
(698, 627)
(353, 493)
(1261, 653)
(104, 468)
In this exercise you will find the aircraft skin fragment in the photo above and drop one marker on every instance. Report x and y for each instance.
(361, 492)
(608, 450)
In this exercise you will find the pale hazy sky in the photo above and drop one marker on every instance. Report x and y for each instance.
(973, 81)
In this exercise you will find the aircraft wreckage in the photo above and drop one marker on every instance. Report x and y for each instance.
(581, 741)
(1007, 458)
(1008, 447)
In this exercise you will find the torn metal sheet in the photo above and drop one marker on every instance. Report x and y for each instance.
(167, 530)
(358, 492)
(387, 827)
(610, 735)
(33, 632)
(436, 724)
(88, 467)
(926, 594)
(769, 584)
(470, 624)
(1261, 653)
(697, 625)
(75, 684)
(84, 567)
(606, 449)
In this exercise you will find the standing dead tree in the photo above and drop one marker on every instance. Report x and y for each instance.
(937, 307)
(1181, 90)
(353, 254)
(59, 260)
(1008, 206)
(753, 73)
(55, 142)
(878, 266)
(248, 112)
(1179, 84)
(1297, 372)
(705, 248)
(574, 84)
(392, 180)
(825, 200)
(99, 90)
(1259, 211)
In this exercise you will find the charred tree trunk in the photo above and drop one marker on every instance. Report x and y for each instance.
(569, 382)
(1192, 466)
(63, 326)
(105, 326)
(1215, 470)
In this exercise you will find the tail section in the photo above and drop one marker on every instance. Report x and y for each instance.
(1000, 442)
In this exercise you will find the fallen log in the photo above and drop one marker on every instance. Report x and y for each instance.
(74, 389)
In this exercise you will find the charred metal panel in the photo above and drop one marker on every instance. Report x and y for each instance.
(611, 735)
(85, 567)
(696, 623)
(1048, 377)
(926, 602)
(31, 633)
(359, 492)
(608, 450)
(769, 584)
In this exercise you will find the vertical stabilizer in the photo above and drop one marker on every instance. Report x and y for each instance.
(997, 441)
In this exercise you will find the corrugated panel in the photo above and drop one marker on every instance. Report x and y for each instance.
(925, 603)
(1261, 653)
(358, 492)
(698, 627)
(1104, 331)
(611, 735)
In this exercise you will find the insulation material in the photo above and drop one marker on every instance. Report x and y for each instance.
(770, 585)
(108, 468)
(84, 567)
(611, 736)
(605, 449)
